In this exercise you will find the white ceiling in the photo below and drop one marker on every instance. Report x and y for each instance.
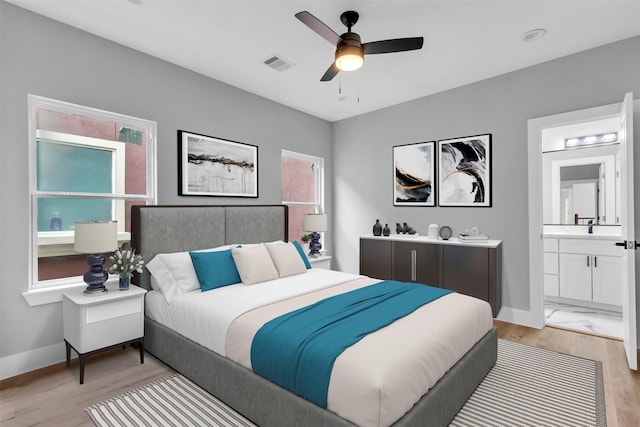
(465, 41)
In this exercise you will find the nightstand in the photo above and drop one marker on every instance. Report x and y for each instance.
(96, 323)
(323, 261)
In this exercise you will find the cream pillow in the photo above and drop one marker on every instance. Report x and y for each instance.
(254, 264)
(286, 259)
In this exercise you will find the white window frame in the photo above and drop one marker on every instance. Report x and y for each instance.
(318, 163)
(58, 243)
(52, 243)
(319, 190)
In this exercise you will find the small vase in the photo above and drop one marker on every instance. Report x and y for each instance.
(398, 228)
(305, 248)
(124, 283)
(377, 228)
(386, 230)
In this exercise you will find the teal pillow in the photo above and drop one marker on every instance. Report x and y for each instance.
(215, 269)
(302, 254)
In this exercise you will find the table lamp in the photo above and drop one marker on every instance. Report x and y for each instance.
(93, 238)
(314, 223)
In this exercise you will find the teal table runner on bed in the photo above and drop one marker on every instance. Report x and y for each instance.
(297, 350)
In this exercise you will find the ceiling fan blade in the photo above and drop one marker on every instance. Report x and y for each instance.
(393, 45)
(319, 27)
(330, 73)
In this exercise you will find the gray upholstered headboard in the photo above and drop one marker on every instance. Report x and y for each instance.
(165, 229)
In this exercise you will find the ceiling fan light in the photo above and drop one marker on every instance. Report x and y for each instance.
(349, 58)
(349, 62)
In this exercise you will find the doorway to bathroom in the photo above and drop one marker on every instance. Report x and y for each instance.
(582, 267)
(581, 224)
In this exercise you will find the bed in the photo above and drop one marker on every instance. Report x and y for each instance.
(170, 229)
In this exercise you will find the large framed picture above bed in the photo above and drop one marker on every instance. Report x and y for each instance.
(413, 174)
(210, 166)
(464, 171)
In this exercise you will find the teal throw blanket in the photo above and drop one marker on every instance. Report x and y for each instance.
(297, 350)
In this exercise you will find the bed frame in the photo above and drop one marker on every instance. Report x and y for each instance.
(164, 229)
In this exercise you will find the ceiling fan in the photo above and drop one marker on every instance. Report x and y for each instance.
(350, 50)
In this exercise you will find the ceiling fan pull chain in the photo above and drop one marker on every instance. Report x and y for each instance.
(358, 87)
(339, 84)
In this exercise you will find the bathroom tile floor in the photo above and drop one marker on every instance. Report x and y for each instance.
(592, 320)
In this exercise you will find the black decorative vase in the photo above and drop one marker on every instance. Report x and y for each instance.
(386, 231)
(377, 228)
(398, 228)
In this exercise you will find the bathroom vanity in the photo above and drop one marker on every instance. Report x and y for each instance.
(585, 268)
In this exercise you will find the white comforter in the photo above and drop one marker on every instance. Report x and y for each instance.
(205, 317)
(374, 382)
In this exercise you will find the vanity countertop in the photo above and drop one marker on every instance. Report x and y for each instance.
(581, 236)
(600, 232)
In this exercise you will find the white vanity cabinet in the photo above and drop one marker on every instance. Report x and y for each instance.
(607, 279)
(551, 281)
(590, 270)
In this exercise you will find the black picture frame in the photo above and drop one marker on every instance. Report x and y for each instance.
(464, 171)
(211, 166)
(414, 174)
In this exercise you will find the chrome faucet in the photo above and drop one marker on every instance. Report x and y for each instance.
(590, 226)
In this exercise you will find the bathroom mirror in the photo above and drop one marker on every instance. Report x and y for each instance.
(580, 186)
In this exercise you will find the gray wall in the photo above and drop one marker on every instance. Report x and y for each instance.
(500, 106)
(46, 58)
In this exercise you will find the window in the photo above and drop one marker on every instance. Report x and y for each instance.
(302, 188)
(85, 164)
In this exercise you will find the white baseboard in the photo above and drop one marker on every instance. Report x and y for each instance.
(520, 317)
(17, 364)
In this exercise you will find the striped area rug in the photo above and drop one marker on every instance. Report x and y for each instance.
(171, 401)
(528, 386)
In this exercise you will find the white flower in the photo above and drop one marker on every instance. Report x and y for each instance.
(125, 262)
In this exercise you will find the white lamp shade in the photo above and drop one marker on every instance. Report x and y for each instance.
(92, 237)
(314, 222)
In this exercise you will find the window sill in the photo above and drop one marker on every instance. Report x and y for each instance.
(60, 243)
(52, 294)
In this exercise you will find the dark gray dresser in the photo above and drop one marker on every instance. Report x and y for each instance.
(470, 268)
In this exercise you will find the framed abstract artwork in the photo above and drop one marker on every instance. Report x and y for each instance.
(464, 171)
(414, 174)
(211, 166)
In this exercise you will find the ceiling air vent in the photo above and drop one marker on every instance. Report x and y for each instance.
(278, 63)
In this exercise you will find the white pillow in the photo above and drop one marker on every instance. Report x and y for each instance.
(286, 259)
(254, 264)
(174, 273)
(154, 283)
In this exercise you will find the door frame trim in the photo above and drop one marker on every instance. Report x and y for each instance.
(535, 126)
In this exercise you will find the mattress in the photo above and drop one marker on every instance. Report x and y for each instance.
(374, 382)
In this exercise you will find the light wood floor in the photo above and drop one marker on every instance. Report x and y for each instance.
(53, 397)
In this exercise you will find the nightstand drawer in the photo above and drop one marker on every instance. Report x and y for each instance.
(112, 310)
(118, 329)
